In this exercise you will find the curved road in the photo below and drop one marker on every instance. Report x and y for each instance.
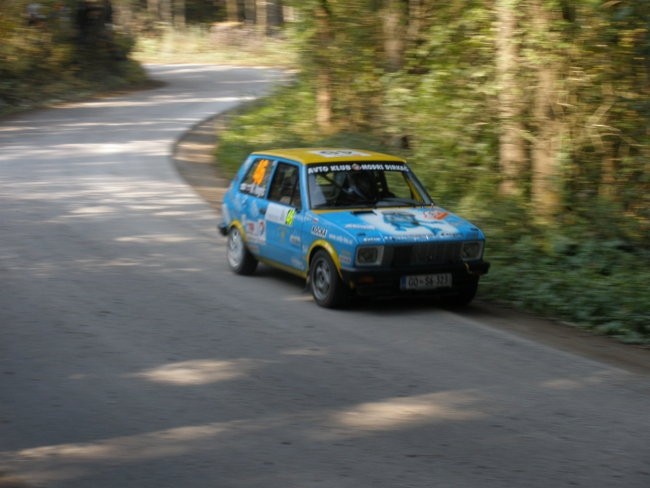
(131, 357)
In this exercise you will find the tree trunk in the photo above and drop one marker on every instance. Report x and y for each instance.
(165, 14)
(323, 77)
(607, 184)
(123, 12)
(512, 146)
(261, 16)
(546, 178)
(232, 10)
(324, 101)
(179, 14)
(160, 10)
(153, 8)
(414, 20)
(249, 11)
(393, 35)
(546, 147)
(275, 14)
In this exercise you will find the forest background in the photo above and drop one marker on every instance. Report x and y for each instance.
(530, 117)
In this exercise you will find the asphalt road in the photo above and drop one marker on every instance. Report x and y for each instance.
(131, 357)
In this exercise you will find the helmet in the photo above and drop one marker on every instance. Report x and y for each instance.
(364, 184)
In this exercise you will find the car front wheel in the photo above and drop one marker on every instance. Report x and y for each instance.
(240, 260)
(327, 288)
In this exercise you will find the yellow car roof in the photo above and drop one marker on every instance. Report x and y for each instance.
(316, 155)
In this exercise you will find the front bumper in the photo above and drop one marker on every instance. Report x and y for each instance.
(222, 227)
(387, 281)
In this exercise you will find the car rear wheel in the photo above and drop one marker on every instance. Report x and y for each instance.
(240, 260)
(327, 288)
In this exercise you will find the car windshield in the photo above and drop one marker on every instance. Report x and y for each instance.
(365, 184)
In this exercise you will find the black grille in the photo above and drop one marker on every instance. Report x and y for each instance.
(426, 253)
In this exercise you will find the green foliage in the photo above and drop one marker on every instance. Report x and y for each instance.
(606, 108)
(49, 59)
(345, 44)
(601, 285)
(284, 119)
(443, 102)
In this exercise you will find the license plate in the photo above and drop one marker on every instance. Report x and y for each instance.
(426, 281)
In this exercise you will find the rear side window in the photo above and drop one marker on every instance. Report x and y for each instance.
(257, 178)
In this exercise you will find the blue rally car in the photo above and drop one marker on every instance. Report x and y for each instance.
(350, 222)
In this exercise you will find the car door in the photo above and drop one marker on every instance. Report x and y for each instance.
(285, 216)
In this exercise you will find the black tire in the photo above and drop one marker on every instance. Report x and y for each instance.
(464, 295)
(326, 285)
(240, 260)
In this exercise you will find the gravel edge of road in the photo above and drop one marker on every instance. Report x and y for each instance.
(193, 158)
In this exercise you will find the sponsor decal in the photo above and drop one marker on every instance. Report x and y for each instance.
(319, 231)
(295, 240)
(253, 189)
(339, 153)
(297, 263)
(345, 258)
(359, 226)
(255, 231)
(290, 215)
(327, 168)
(279, 214)
(341, 239)
(260, 171)
(406, 225)
(434, 215)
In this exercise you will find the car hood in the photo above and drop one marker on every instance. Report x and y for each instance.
(409, 224)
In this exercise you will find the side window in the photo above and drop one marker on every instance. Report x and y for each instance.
(285, 186)
(257, 178)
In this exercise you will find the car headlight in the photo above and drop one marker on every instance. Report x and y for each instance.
(370, 255)
(471, 250)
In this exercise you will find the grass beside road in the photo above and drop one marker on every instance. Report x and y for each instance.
(227, 44)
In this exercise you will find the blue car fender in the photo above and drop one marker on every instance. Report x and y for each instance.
(329, 248)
